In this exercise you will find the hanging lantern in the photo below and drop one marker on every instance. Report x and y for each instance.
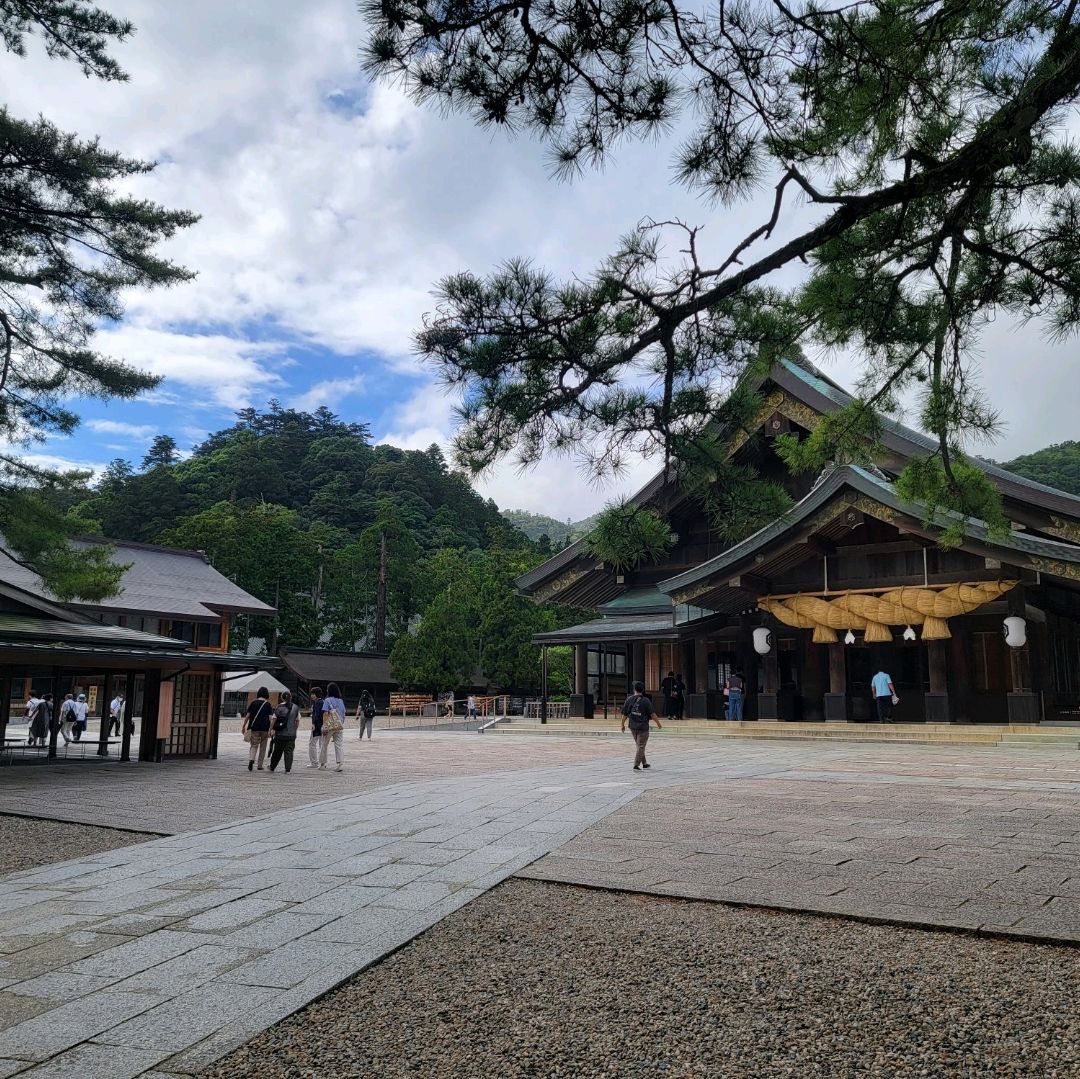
(1015, 629)
(909, 634)
(762, 640)
(849, 637)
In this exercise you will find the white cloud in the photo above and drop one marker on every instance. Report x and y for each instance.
(328, 393)
(58, 463)
(330, 225)
(228, 372)
(138, 432)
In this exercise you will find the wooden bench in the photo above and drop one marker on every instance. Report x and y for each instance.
(409, 702)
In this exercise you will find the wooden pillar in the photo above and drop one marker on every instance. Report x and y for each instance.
(701, 665)
(106, 697)
(769, 696)
(836, 699)
(960, 704)
(150, 708)
(936, 702)
(54, 726)
(127, 720)
(5, 707)
(1023, 703)
(215, 715)
(581, 668)
(637, 663)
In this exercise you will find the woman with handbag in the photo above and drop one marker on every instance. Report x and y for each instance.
(333, 727)
(256, 727)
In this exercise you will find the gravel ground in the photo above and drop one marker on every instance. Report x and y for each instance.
(26, 842)
(539, 980)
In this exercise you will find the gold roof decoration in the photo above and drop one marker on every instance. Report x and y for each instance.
(873, 614)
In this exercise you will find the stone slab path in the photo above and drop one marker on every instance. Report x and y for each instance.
(157, 959)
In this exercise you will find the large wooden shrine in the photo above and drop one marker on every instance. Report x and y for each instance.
(850, 581)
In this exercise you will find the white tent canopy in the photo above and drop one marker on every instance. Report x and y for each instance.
(252, 682)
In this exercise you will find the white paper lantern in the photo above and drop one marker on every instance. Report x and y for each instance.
(762, 640)
(1015, 629)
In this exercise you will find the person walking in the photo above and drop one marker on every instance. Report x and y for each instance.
(257, 725)
(365, 713)
(82, 709)
(884, 694)
(680, 696)
(735, 687)
(67, 717)
(315, 741)
(286, 724)
(638, 710)
(31, 710)
(669, 687)
(333, 727)
(470, 706)
(116, 713)
(40, 718)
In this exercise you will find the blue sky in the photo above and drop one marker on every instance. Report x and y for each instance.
(330, 207)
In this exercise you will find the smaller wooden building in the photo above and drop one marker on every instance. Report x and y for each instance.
(353, 672)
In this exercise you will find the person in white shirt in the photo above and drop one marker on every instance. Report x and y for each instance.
(116, 713)
(67, 717)
(470, 707)
(81, 709)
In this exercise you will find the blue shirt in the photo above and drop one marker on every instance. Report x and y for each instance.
(880, 682)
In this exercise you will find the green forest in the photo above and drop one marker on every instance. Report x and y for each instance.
(1056, 466)
(294, 507)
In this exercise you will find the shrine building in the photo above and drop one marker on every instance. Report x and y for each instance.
(850, 581)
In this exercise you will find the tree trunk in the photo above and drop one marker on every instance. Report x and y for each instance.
(380, 598)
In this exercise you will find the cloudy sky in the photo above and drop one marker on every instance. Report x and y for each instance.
(330, 207)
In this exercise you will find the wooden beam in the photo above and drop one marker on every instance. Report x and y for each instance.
(751, 582)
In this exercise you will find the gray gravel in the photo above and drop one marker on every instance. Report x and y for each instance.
(26, 842)
(540, 980)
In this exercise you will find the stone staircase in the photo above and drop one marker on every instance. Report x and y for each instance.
(1011, 737)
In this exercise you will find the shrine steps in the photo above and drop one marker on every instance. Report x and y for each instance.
(1012, 737)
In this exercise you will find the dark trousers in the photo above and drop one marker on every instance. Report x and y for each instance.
(884, 709)
(641, 738)
(283, 747)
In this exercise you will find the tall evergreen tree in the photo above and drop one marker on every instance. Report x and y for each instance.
(71, 240)
(930, 141)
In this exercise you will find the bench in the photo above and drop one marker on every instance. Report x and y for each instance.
(20, 744)
(408, 702)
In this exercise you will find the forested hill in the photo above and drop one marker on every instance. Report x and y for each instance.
(291, 506)
(1057, 466)
(538, 525)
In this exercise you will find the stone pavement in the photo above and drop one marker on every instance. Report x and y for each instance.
(182, 795)
(158, 958)
(996, 860)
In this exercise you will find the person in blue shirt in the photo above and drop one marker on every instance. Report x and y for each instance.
(884, 694)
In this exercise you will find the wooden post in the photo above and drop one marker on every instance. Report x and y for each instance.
(5, 707)
(701, 665)
(1023, 703)
(836, 699)
(151, 706)
(936, 702)
(127, 719)
(637, 673)
(54, 725)
(215, 715)
(106, 697)
(769, 696)
(581, 668)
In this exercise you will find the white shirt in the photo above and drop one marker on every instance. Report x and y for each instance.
(116, 706)
(471, 703)
(81, 708)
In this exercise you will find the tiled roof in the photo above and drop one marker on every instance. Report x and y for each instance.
(22, 626)
(161, 581)
(616, 628)
(865, 482)
(319, 665)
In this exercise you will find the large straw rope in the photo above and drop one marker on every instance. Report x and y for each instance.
(872, 614)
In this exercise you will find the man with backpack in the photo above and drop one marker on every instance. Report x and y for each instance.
(638, 709)
(365, 713)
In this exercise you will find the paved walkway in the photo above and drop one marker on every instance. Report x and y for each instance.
(158, 958)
